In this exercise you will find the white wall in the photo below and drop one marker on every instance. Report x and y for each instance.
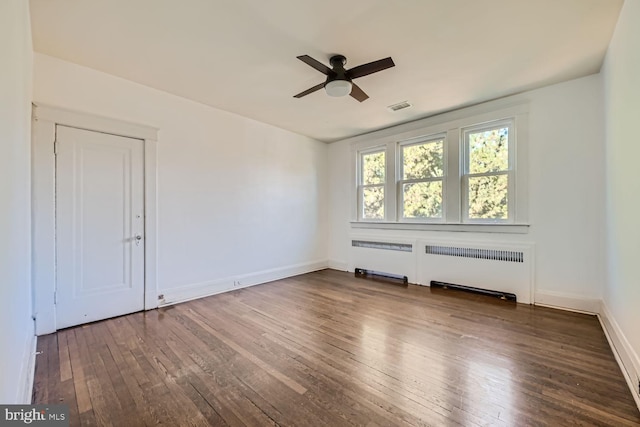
(621, 75)
(566, 190)
(238, 200)
(16, 326)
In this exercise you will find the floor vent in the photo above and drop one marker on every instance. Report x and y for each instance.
(507, 296)
(393, 278)
(402, 247)
(492, 254)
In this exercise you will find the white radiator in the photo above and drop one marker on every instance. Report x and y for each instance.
(504, 267)
(395, 256)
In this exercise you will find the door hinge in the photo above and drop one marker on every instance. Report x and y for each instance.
(55, 297)
(55, 147)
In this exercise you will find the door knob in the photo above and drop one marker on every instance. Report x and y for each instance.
(138, 237)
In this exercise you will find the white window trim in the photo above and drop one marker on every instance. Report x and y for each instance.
(510, 172)
(451, 124)
(425, 226)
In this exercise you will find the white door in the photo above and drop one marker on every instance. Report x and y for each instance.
(99, 226)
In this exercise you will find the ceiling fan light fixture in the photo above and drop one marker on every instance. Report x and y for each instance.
(338, 88)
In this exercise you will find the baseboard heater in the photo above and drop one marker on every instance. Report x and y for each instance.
(502, 295)
(393, 278)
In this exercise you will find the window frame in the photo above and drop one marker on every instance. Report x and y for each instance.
(452, 125)
(509, 123)
(400, 182)
(362, 185)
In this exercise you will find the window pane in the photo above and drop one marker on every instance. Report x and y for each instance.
(373, 202)
(489, 151)
(373, 168)
(423, 160)
(422, 199)
(488, 197)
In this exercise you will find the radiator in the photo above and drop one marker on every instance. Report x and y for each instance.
(504, 267)
(394, 256)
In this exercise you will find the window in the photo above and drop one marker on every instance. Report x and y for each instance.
(459, 171)
(372, 183)
(421, 179)
(487, 181)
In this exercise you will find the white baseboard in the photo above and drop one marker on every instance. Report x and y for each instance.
(204, 289)
(567, 302)
(27, 370)
(338, 265)
(626, 357)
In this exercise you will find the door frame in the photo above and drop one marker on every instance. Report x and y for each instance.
(45, 118)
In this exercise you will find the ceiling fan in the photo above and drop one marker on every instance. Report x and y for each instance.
(339, 81)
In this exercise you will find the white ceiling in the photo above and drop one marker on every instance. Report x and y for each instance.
(240, 55)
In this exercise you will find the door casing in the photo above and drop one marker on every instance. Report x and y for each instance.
(45, 118)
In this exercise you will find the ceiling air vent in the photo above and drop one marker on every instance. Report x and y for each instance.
(399, 106)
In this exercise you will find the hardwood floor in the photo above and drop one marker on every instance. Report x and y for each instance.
(329, 349)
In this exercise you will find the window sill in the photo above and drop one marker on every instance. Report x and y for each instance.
(469, 228)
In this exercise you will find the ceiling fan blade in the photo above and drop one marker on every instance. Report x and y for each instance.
(315, 64)
(310, 90)
(358, 93)
(370, 68)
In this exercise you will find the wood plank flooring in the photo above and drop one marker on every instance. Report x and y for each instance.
(328, 349)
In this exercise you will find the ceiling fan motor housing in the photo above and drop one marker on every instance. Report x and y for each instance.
(338, 61)
(337, 69)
